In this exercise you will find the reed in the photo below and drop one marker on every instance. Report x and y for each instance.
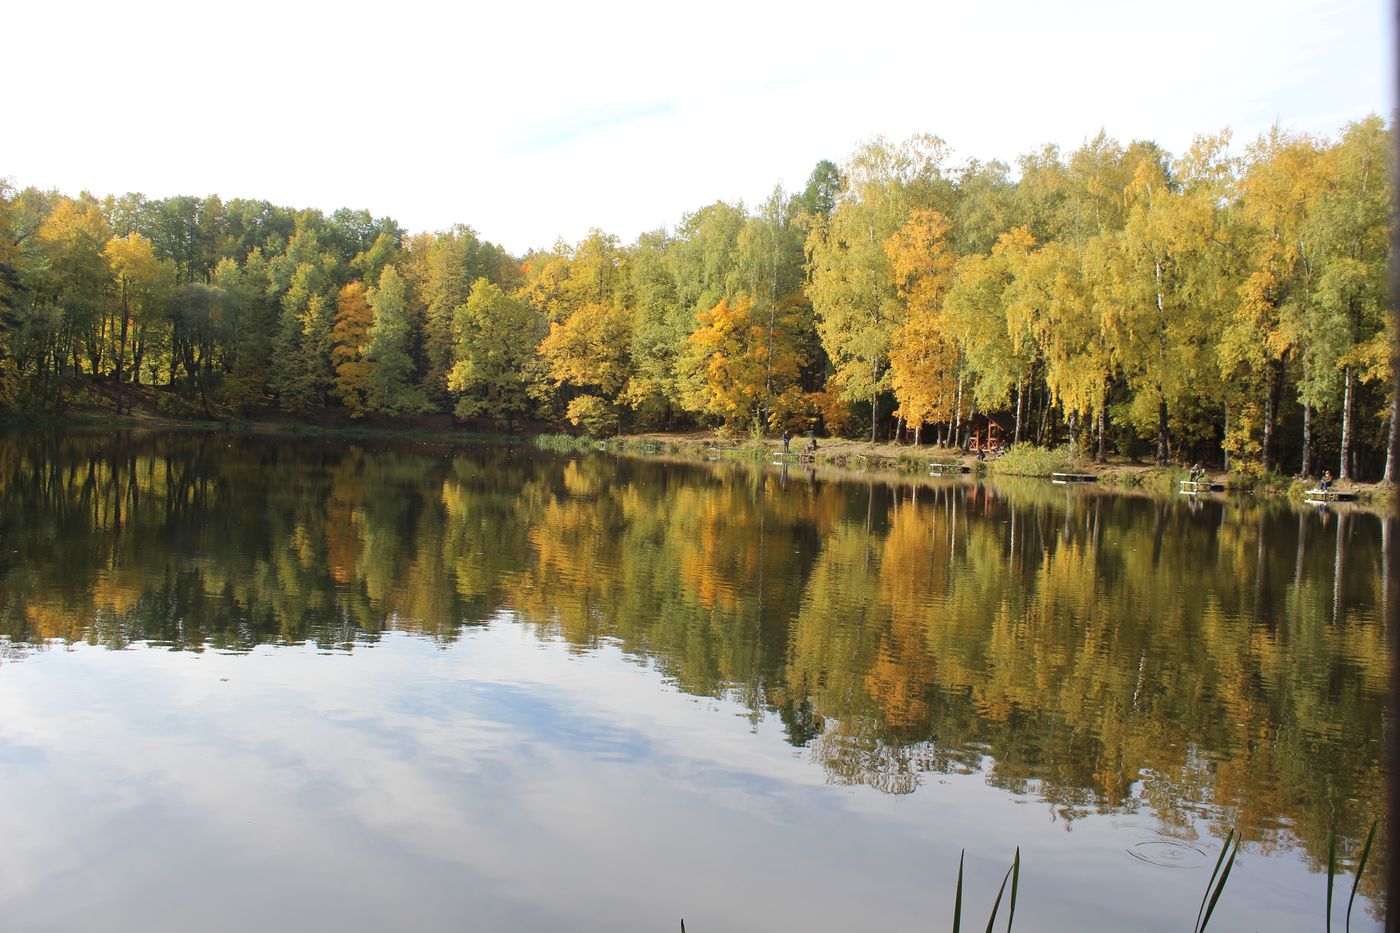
(1013, 875)
(1219, 875)
(1355, 882)
(1214, 889)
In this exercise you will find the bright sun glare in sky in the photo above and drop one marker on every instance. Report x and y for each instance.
(539, 121)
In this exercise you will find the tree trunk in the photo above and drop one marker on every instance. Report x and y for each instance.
(1103, 424)
(121, 353)
(1161, 431)
(1017, 437)
(1224, 434)
(1344, 470)
(957, 422)
(1270, 416)
(1306, 469)
(1389, 476)
(874, 415)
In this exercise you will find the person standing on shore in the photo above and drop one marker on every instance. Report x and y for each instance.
(787, 440)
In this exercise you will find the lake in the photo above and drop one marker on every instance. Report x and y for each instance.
(293, 684)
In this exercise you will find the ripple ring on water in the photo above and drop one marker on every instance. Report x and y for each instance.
(1169, 853)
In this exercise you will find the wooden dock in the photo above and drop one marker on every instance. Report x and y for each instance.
(1191, 487)
(1320, 496)
(1064, 479)
(948, 469)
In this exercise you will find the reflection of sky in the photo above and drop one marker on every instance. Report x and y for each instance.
(503, 783)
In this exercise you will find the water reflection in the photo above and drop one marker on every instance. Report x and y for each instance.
(1218, 662)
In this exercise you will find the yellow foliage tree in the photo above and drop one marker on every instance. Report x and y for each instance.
(923, 355)
(589, 349)
(141, 282)
(745, 364)
(349, 337)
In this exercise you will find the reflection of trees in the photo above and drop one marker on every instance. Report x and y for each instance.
(1099, 652)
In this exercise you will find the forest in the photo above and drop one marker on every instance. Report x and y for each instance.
(1224, 305)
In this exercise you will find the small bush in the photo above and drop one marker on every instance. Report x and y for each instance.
(1030, 460)
(1273, 484)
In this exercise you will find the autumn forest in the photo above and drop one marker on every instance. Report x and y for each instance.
(1226, 304)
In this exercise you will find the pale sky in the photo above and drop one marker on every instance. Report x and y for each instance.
(539, 120)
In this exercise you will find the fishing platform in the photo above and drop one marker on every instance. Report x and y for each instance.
(1194, 487)
(1066, 479)
(1323, 496)
(948, 469)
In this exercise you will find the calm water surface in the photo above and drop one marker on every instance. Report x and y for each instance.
(286, 684)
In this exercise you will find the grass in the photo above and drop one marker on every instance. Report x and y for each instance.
(568, 443)
(562, 443)
(1030, 460)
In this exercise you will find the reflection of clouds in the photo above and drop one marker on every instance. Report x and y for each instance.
(505, 783)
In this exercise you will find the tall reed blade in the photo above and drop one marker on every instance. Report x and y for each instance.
(1224, 877)
(957, 898)
(1360, 867)
(1211, 883)
(1331, 873)
(997, 903)
(1015, 883)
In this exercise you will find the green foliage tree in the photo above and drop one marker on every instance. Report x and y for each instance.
(390, 384)
(496, 336)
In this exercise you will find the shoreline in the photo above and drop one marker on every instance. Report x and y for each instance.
(851, 458)
(835, 457)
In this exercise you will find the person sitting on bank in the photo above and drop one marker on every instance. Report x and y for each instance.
(1198, 473)
(1326, 480)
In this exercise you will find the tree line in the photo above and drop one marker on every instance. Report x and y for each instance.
(1222, 306)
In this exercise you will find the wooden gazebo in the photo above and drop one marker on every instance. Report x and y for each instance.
(986, 434)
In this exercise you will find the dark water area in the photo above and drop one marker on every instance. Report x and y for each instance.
(287, 684)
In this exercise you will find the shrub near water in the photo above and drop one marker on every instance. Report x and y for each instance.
(1030, 460)
(562, 443)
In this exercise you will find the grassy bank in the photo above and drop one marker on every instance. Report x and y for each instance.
(1025, 460)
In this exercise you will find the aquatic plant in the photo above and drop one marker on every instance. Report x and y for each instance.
(1356, 881)
(1214, 889)
(1013, 874)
